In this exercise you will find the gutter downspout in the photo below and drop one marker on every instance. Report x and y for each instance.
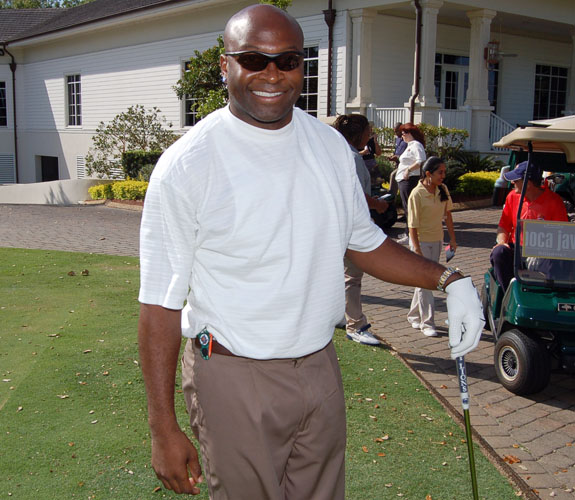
(329, 17)
(417, 69)
(13, 66)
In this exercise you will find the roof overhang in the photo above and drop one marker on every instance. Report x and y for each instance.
(140, 15)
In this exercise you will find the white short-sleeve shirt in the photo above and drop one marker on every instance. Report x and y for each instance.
(414, 153)
(248, 227)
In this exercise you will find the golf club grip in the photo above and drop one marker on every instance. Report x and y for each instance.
(462, 377)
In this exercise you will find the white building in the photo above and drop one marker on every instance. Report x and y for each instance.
(74, 68)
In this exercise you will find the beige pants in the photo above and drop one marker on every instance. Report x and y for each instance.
(423, 304)
(354, 317)
(268, 430)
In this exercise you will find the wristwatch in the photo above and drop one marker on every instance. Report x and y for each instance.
(446, 275)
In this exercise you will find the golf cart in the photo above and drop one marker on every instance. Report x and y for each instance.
(533, 321)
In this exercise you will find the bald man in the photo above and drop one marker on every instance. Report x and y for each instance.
(245, 226)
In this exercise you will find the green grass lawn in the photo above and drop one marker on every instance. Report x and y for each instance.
(72, 403)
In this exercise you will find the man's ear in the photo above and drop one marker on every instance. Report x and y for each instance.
(224, 66)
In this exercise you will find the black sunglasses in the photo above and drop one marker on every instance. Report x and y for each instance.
(258, 61)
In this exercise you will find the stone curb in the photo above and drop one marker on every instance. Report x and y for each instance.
(488, 451)
(457, 207)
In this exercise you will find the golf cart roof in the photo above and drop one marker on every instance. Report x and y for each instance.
(555, 136)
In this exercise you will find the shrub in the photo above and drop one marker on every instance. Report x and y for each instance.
(477, 183)
(101, 192)
(136, 128)
(439, 141)
(385, 167)
(442, 141)
(385, 137)
(472, 161)
(146, 172)
(134, 161)
(454, 171)
(121, 190)
(129, 190)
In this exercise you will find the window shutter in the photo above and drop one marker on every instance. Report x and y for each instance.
(7, 169)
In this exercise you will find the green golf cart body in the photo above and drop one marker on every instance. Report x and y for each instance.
(533, 321)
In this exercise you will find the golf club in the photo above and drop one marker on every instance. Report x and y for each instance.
(463, 390)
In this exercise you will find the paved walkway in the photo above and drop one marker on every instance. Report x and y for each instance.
(539, 430)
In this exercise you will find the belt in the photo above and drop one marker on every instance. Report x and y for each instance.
(217, 348)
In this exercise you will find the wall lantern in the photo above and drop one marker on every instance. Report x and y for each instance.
(491, 52)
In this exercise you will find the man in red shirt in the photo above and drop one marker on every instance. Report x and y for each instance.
(540, 204)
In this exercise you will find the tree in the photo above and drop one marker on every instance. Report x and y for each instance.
(282, 4)
(135, 129)
(40, 4)
(202, 79)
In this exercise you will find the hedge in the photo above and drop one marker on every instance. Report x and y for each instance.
(120, 190)
(470, 184)
(134, 161)
(101, 192)
(476, 183)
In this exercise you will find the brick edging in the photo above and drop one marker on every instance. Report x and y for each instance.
(488, 451)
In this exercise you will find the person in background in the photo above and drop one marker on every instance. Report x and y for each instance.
(400, 146)
(409, 168)
(429, 205)
(369, 154)
(540, 203)
(357, 131)
(246, 223)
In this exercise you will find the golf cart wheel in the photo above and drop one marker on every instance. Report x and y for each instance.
(522, 365)
(485, 304)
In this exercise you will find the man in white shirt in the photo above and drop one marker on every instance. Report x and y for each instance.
(245, 226)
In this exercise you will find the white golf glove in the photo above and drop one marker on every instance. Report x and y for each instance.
(465, 315)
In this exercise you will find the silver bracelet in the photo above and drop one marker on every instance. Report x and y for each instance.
(446, 275)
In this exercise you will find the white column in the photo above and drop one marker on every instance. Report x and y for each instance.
(477, 92)
(361, 50)
(429, 12)
(570, 104)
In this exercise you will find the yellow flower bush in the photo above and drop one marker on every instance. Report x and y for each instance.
(120, 190)
(476, 183)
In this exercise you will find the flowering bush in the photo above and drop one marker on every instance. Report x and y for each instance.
(121, 190)
(101, 192)
(476, 183)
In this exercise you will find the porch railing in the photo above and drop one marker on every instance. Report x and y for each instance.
(455, 118)
(387, 117)
(498, 127)
(450, 118)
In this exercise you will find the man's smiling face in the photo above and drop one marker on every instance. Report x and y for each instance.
(263, 98)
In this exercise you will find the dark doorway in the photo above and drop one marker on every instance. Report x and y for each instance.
(49, 166)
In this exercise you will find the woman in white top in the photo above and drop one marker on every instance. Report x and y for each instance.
(409, 168)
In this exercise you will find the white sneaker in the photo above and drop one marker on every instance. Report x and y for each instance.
(415, 325)
(429, 332)
(404, 240)
(363, 336)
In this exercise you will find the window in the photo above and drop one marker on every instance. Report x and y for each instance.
(189, 103)
(309, 96)
(492, 85)
(3, 108)
(451, 79)
(74, 100)
(550, 91)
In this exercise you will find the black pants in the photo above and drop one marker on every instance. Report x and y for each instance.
(405, 189)
(502, 261)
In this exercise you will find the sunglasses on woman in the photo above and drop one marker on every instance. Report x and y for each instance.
(258, 61)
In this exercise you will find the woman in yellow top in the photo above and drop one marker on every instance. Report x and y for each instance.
(429, 204)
